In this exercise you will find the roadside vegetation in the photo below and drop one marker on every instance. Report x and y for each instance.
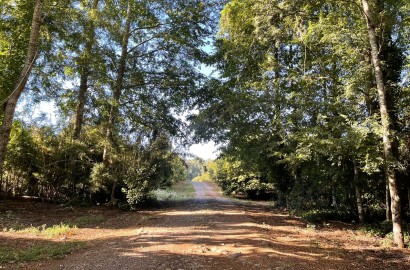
(37, 252)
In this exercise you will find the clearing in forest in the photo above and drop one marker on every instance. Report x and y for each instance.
(206, 232)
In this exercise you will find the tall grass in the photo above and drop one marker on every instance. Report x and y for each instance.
(179, 192)
(49, 232)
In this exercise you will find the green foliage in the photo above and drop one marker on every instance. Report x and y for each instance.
(195, 168)
(62, 169)
(139, 193)
(295, 104)
(23, 155)
(14, 33)
(235, 180)
(80, 41)
(209, 173)
(206, 177)
(156, 167)
(380, 229)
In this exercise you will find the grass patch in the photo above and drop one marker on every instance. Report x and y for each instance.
(50, 232)
(178, 192)
(37, 252)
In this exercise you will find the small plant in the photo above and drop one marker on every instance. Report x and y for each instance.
(57, 230)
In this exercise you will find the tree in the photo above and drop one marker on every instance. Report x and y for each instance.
(10, 102)
(155, 70)
(387, 129)
(85, 60)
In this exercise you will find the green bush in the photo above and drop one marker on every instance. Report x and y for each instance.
(206, 177)
(235, 179)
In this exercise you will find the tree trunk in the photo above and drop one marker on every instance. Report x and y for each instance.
(85, 69)
(408, 197)
(387, 130)
(10, 105)
(1, 188)
(359, 202)
(388, 202)
(115, 106)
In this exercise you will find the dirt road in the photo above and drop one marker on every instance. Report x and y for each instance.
(212, 232)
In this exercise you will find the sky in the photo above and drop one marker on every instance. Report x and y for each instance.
(205, 151)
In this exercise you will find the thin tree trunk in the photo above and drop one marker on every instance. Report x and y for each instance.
(117, 95)
(10, 105)
(7, 186)
(387, 131)
(112, 195)
(85, 71)
(408, 197)
(82, 93)
(359, 201)
(388, 202)
(1, 187)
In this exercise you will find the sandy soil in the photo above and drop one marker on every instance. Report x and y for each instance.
(213, 232)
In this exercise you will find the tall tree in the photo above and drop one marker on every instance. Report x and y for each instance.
(387, 128)
(10, 102)
(117, 89)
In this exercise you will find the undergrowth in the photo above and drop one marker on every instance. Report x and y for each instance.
(49, 232)
(321, 215)
(384, 230)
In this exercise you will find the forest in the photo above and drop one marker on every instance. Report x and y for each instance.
(309, 102)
